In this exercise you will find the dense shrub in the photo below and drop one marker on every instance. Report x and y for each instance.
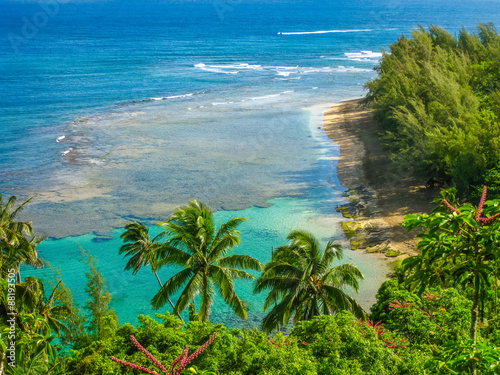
(437, 100)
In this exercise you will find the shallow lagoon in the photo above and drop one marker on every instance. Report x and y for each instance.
(312, 209)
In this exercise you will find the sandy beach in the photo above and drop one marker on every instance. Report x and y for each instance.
(380, 196)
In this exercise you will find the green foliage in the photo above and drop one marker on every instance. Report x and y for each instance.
(429, 320)
(38, 319)
(342, 346)
(35, 352)
(17, 242)
(103, 320)
(142, 250)
(409, 334)
(466, 358)
(203, 251)
(325, 345)
(302, 282)
(437, 102)
(458, 245)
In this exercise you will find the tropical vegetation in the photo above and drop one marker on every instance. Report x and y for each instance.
(439, 316)
(302, 282)
(17, 242)
(436, 99)
(142, 250)
(437, 102)
(203, 251)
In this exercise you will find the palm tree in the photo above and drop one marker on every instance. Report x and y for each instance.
(303, 283)
(203, 251)
(31, 299)
(11, 230)
(37, 318)
(15, 247)
(142, 249)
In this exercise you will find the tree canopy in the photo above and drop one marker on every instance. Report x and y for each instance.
(302, 282)
(437, 100)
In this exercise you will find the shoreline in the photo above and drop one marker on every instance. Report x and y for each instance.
(379, 196)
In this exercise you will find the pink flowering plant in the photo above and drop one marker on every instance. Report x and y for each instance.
(458, 246)
(177, 367)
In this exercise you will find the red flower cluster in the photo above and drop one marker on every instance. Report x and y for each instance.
(431, 296)
(393, 344)
(478, 217)
(399, 305)
(182, 361)
(379, 326)
(133, 365)
(276, 344)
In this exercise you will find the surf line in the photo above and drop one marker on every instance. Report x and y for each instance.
(325, 32)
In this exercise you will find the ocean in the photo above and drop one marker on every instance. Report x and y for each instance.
(113, 111)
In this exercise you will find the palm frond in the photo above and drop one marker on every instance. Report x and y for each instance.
(332, 251)
(344, 275)
(281, 283)
(224, 281)
(181, 235)
(207, 298)
(306, 242)
(171, 286)
(240, 261)
(338, 300)
(172, 255)
(279, 315)
(224, 245)
(226, 230)
(303, 283)
(192, 289)
(283, 269)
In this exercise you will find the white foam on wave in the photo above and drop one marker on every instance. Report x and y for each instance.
(363, 56)
(59, 139)
(289, 72)
(285, 67)
(67, 151)
(179, 96)
(95, 161)
(215, 70)
(265, 97)
(221, 103)
(172, 97)
(218, 68)
(234, 66)
(271, 95)
(326, 32)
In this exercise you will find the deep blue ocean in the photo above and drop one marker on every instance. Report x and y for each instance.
(112, 111)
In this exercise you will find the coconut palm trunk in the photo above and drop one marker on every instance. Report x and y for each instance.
(169, 300)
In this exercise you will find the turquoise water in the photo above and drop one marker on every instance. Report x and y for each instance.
(113, 111)
(266, 228)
